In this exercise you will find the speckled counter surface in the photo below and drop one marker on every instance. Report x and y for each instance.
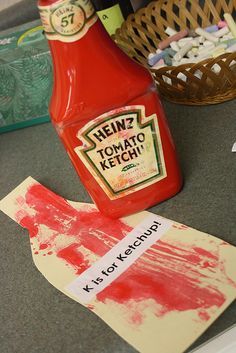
(34, 316)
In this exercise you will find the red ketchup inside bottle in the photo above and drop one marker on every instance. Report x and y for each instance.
(107, 113)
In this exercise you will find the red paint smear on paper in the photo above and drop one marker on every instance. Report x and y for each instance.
(170, 289)
(167, 274)
(43, 246)
(204, 315)
(74, 257)
(204, 252)
(28, 222)
(137, 318)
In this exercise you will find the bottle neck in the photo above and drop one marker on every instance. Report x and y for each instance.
(88, 70)
(66, 20)
(88, 50)
(125, 6)
(71, 45)
(104, 4)
(111, 17)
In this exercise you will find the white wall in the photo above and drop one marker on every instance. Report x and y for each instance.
(6, 3)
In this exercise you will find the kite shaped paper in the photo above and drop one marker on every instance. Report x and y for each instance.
(144, 275)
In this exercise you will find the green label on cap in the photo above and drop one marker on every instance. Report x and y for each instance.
(111, 18)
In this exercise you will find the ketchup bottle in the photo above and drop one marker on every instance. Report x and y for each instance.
(107, 113)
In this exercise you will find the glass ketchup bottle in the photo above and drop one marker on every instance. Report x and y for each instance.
(107, 113)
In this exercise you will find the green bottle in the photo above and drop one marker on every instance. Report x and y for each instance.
(112, 13)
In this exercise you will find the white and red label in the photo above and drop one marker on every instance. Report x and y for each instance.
(67, 20)
(123, 150)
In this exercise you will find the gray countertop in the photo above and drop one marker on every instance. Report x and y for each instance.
(37, 318)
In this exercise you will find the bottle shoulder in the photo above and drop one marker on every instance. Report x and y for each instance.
(94, 76)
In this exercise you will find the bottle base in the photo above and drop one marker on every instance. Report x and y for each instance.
(131, 207)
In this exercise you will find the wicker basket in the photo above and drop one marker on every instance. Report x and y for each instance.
(142, 32)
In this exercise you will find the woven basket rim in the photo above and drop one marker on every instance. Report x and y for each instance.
(208, 81)
(133, 16)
